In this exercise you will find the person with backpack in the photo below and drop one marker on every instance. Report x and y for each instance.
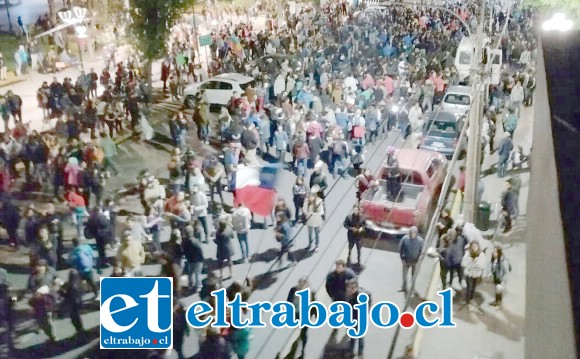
(242, 222)
(81, 259)
(511, 122)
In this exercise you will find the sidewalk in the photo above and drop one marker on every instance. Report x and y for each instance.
(494, 333)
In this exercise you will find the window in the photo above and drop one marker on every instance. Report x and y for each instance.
(443, 129)
(433, 166)
(225, 86)
(464, 58)
(244, 86)
(211, 85)
(496, 60)
(457, 99)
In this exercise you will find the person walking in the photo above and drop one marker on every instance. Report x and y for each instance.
(313, 211)
(81, 259)
(242, 222)
(43, 306)
(131, 256)
(410, 249)
(511, 123)
(73, 297)
(504, 149)
(299, 192)
(285, 236)
(110, 150)
(293, 298)
(473, 264)
(355, 225)
(500, 267)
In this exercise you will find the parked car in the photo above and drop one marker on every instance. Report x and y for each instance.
(218, 89)
(422, 176)
(457, 100)
(441, 133)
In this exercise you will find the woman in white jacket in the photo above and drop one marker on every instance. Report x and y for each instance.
(473, 264)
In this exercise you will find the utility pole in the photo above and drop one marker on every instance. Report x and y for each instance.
(7, 4)
(472, 169)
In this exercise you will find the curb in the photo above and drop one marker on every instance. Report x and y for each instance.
(11, 82)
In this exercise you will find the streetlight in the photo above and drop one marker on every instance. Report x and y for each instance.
(558, 22)
(78, 22)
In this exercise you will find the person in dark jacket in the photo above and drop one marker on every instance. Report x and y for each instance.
(90, 118)
(99, 227)
(31, 225)
(355, 224)
(214, 346)
(180, 328)
(292, 298)
(285, 236)
(445, 223)
(73, 298)
(193, 253)
(53, 223)
(454, 255)
(352, 292)
(410, 249)
(508, 206)
(224, 238)
(10, 219)
(337, 279)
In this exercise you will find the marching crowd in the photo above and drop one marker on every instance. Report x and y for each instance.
(322, 97)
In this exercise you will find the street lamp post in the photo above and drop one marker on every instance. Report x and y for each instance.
(7, 4)
(472, 168)
(78, 22)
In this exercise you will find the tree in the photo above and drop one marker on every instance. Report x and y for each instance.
(151, 22)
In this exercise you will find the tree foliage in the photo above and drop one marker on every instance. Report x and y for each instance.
(151, 22)
(554, 4)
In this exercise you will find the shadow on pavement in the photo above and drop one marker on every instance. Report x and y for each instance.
(45, 350)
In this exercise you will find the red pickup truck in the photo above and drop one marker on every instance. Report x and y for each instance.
(422, 175)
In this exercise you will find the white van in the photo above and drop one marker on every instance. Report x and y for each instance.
(464, 56)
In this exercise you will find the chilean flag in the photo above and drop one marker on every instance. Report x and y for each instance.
(255, 188)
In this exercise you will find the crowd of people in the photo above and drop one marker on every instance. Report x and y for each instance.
(322, 98)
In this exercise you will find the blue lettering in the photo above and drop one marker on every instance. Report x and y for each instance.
(376, 312)
(446, 309)
(362, 321)
(306, 306)
(220, 309)
(236, 313)
(192, 314)
(284, 315)
(420, 314)
(255, 309)
(340, 315)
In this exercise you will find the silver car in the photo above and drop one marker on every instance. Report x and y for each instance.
(457, 100)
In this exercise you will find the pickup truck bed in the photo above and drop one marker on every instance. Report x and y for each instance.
(407, 199)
